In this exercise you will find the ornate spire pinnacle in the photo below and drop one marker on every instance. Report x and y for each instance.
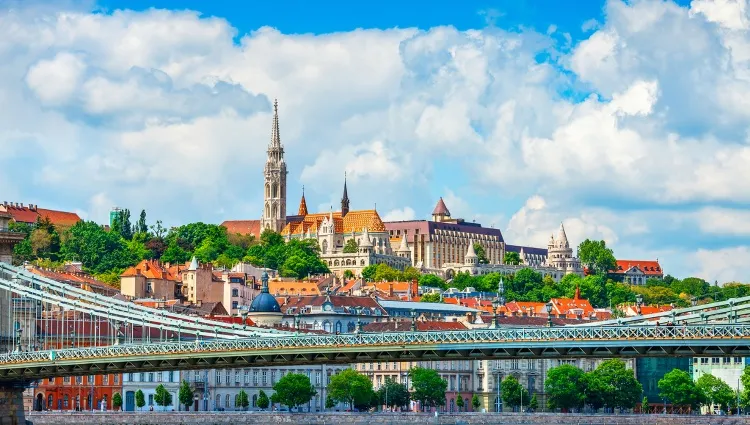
(562, 238)
(470, 253)
(302, 204)
(275, 135)
(344, 200)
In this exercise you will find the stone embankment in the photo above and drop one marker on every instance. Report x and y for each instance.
(264, 418)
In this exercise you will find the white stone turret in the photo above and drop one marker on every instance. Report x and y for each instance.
(193, 264)
(471, 256)
(403, 249)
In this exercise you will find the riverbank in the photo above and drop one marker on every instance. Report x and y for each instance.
(264, 418)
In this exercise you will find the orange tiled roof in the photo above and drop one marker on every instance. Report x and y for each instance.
(651, 309)
(243, 227)
(282, 288)
(302, 210)
(149, 269)
(22, 214)
(59, 218)
(354, 221)
(650, 268)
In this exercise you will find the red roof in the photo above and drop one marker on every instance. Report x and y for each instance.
(149, 269)
(22, 214)
(59, 218)
(440, 208)
(243, 227)
(649, 268)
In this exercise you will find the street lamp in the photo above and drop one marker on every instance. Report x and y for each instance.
(19, 331)
(638, 303)
(548, 308)
(413, 320)
(244, 319)
(359, 321)
(495, 318)
(693, 301)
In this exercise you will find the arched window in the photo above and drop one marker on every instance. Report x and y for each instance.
(255, 400)
(275, 211)
(268, 191)
(324, 247)
(236, 400)
(66, 401)
(327, 326)
(268, 212)
(218, 402)
(361, 262)
(338, 327)
(274, 190)
(50, 401)
(226, 401)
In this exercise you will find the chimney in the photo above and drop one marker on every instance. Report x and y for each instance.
(390, 289)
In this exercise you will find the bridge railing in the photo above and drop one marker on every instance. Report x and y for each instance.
(458, 339)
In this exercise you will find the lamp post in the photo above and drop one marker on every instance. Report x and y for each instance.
(19, 331)
(359, 321)
(693, 301)
(413, 320)
(548, 308)
(495, 318)
(638, 303)
(244, 319)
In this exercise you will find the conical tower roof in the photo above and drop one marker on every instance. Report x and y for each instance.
(441, 209)
(302, 204)
(470, 253)
(193, 264)
(404, 247)
(366, 242)
(562, 238)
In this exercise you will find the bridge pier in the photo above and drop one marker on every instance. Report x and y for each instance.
(11, 403)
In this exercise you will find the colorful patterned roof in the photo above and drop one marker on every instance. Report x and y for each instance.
(354, 221)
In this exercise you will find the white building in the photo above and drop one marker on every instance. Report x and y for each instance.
(147, 382)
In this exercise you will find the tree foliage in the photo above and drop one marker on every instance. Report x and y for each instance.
(262, 401)
(351, 387)
(293, 390)
(512, 258)
(116, 401)
(384, 272)
(432, 281)
(97, 249)
(475, 402)
(596, 256)
(513, 393)
(459, 402)
(296, 258)
(679, 389)
(185, 395)
(612, 385)
(428, 387)
(481, 254)
(393, 394)
(140, 399)
(716, 391)
(351, 247)
(242, 400)
(565, 387)
(162, 397)
(432, 297)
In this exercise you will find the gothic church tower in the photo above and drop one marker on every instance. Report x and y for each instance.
(274, 186)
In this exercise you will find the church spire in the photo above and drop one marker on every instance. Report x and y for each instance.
(275, 135)
(302, 204)
(344, 200)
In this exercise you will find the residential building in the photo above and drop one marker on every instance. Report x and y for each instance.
(728, 369)
(218, 389)
(330, 313)
(30, 214)
(89, 392)
(637, 272)
(149, 279)
(147, 383)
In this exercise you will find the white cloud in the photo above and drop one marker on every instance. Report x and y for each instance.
(402, 214)
(722, 265)
(163, 110)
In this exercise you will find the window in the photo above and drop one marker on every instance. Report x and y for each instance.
(65, 401)
(235, 293)
(226, 376)
(255, 378)
(49, 401)
(150, 399)
(226, 401)
(218, 401)
(218, 377)
(117, 379)
(79, 380)
(265, 378)
(247, 376)
(149, 287)
(151, 377)
(170, 376)
(105, 379)
(66, 380)
(235, 305)
(159, 376)
(236, 378)
(143, 377)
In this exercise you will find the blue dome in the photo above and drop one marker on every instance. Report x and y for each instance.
(265, 303)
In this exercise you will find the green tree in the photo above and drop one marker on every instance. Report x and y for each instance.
(432, 281)
(596, 256)
(716, 391)
(475, 402)
(691, 285)
(512, 258)
(116, 401)
(122, 225)
(428, 387)
(614, 384)
(526, 280)
(174, 253)
(348, 274)
(242, 400)
(459, 402)
(351, 387)
(293, 390)
(512, 392)
(644, 405)
(432, 297)
(185, 395)
(533, 403)
(162, 397)
(393, 394)
(23, 251)
(330, 403)
(481, 255)
(262, 401)
(368, 273)
(141, 226)
(351, 247)
(140, 400)
(565, 387)
(679, 389)
(97, 249)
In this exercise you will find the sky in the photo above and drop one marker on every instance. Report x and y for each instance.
(627, 121)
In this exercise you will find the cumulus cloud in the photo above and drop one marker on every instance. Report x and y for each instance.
(636, 134)
(402, 214)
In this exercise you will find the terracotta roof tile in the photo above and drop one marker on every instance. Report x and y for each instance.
(149, 269)
(440, 208)
(354, 221)
(649, 268)
(59, 218)
(243, 227)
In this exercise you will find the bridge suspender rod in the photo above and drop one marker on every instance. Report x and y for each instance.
(130, 307)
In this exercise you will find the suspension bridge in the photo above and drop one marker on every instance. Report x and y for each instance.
(49, 329)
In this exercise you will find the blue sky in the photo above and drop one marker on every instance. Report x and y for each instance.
(626, 120)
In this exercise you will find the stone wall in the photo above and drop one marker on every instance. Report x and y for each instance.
(11, 406)
(263, 418)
